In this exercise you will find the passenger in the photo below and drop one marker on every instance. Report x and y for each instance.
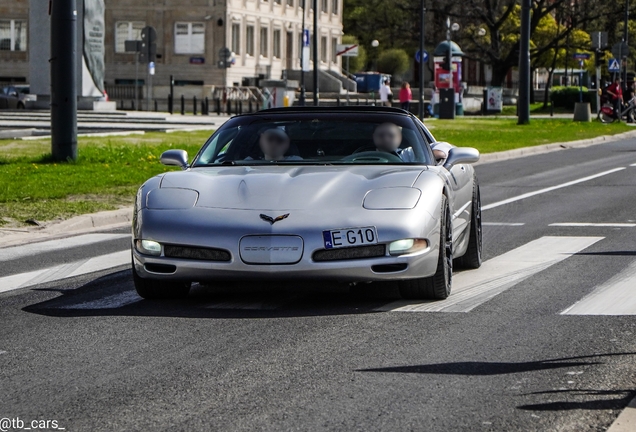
(387, 137)
(274, 143)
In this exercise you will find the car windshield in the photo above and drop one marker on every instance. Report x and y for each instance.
(316, 138)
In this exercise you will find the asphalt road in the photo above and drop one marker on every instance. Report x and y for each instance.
(526, 349)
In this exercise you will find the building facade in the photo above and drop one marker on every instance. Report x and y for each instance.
(264, 36)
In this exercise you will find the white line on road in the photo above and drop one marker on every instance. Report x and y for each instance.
(634, 164)
(615, 297)
(475, 287)
(16, 252)
(111, 302)
(51, 274)
(549, 189)
(601, 225)
(512, 224)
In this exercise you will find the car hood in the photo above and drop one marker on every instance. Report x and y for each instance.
(289, 188)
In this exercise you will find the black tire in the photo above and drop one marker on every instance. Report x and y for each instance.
(604, 118)
(438, 286)
(153, 289)
(472, 258)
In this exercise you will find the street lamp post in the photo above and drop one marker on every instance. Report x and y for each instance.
(524, 65)
(301, 102)
(375, 44)
(316, 59)
(422, 16)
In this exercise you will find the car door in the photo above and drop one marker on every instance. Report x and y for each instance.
(460, 180)
(4, 98)
(13, 97)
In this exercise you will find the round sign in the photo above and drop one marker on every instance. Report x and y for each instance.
(418, 56)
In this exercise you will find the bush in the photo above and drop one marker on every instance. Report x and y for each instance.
(566, 97)
(393, 62)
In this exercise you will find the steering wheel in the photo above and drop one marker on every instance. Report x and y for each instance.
(372, 156)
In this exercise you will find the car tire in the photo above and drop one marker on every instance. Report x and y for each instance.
(153, 289)
(472, 258)
(21, 106)
(438, 286)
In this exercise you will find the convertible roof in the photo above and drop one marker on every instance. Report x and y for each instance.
(349, 109)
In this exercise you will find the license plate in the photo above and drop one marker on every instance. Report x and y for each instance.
(349, 237)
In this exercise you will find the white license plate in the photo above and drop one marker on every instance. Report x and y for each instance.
(349, 237)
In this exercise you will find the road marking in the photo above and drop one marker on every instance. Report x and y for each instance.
(110, 302)
(626, 421)
(512, 224)
(603, 225)
(475, 287)
(63, 271)
(16, 252)
(634, 164)
(614, 297)
(549, 189)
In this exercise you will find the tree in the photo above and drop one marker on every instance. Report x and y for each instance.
(393, 61)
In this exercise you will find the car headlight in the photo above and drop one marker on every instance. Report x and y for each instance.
(392, 198)
(148, 247)
(407, 246)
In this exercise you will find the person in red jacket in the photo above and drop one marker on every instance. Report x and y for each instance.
(615, 91)
(405, 96)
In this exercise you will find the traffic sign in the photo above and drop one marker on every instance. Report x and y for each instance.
(225, 54)
(417, 56)
(614, 65)
(348, 50)
(620, 50)
(581, 56)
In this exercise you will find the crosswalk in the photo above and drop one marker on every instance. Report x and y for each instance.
(471, 289)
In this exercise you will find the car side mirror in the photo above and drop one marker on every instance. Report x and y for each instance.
(175, 158)
(460, 155)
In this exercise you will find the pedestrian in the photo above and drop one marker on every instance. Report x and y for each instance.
(615, 91)
(385, 93)
(405, 96)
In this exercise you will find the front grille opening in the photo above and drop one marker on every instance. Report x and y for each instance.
(361, 252)
(196, 253)
(389, 268)
(160, 268)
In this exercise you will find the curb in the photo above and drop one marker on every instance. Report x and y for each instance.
(548, 148)
(123, 217)
(77, 225)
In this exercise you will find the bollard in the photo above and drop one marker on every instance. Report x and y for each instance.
(337, 100)
(132, 105)
(170, 104)
(250, 106)
(229, 107)
(358, 103)
(182, 105)
(194, 105)
(156, 106)
(367, 101)
(240, 109)
(207, 106)
(218, 106)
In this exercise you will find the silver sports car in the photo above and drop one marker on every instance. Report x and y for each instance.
(352, 194)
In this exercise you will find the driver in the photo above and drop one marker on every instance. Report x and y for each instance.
(274, 143)
(387, 137)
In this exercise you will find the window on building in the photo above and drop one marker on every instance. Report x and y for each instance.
(276, 41)
(324, 6)
(264, 42)
(334, 7)
(13, 35)
(127, 30)
(334, 50)
(189, 38)
(249, 40)
(323, 48)
(236, 38)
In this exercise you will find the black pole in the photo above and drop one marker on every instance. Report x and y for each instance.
(316, 59)
(523, 106)
(422, 16)
(171, 96)
(626, 36)
(182, 105)
(301, 101)
(63, 80)
(194, 105)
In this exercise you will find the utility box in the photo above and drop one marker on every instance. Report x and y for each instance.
(447, 104)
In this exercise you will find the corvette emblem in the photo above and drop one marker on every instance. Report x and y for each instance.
(272, 220)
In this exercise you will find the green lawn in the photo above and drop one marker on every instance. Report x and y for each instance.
(109, 170)
(105, 176)
(497, 134)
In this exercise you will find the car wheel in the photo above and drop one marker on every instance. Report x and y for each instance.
(438, 286)
(605, 118)
(21, 106)
(472, 257)
(152, 289)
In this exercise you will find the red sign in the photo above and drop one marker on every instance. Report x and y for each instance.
(442, 76)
